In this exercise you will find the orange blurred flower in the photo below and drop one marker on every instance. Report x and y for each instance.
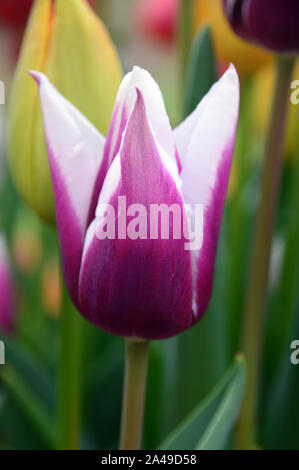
(27, 249)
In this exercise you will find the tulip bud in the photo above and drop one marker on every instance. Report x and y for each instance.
(270, 23)
(68, 42)
(125, 276)
(246, 57)
(7, 320)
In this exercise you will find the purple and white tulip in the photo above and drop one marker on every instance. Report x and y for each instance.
(140, 288)
(7, 311)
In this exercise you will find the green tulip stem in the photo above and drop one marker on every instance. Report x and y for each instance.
(134, 394)
(69, 377)
(253, 328)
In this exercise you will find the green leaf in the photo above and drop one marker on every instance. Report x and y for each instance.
(31, 371)
(210, 424)
(29, 403)
(201, 71)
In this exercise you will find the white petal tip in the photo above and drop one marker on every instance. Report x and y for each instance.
(231, 72)
(136, 68)
(37, 76)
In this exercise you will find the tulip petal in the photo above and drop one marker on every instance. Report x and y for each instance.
(75, 150)
(205, 173)
(138, 287)
(125, 101)
(183, 133)
(26, 147)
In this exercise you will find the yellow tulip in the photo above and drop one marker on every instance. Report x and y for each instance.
(229, 47)
(68, 42)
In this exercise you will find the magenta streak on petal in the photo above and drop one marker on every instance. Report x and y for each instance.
(212, 224)
(111, 149)
(72, 144)
(139, 288)
(7, 314)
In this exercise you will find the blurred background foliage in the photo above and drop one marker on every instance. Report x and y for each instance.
(183, 370)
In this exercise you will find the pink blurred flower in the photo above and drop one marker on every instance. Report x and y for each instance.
(158, 18)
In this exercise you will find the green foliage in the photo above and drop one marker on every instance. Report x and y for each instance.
(201, 70)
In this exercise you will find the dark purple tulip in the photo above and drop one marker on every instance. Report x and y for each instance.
(271, 23)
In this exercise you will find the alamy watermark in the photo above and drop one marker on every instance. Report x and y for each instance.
(154, 222)
(2, 353)
(294, 357)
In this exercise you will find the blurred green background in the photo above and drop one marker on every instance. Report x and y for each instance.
(183, 370)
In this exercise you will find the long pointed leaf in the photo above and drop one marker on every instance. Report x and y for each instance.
(210, 424)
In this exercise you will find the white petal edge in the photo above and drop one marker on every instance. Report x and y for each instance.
(154, 103)
(216, 117)
(76, 145)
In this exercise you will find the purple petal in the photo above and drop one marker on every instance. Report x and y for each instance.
(75, 150)
(7, 313)
(205, 173)
(125, 101)
(138, 288)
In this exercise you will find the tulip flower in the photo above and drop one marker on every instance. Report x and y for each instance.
(7, 318)
(159, 19)
(270, 23)
(68, 42)
(139, 287)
